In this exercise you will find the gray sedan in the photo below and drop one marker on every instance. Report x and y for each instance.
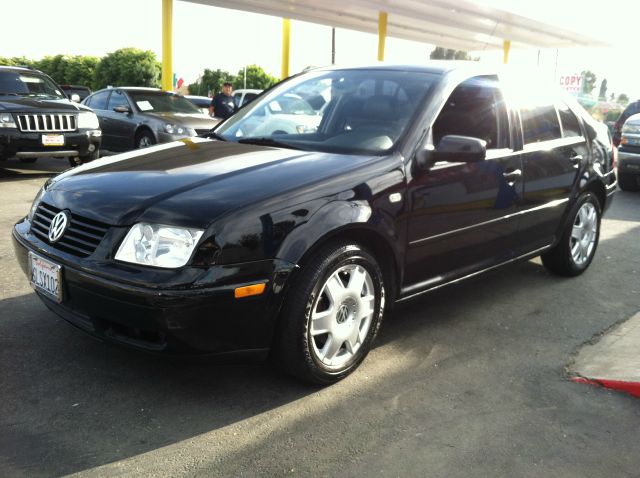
(132, 117)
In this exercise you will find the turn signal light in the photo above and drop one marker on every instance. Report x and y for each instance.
(249, 290)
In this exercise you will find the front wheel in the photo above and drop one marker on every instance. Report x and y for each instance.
(144, 139)
(577, 246)
(332, 315)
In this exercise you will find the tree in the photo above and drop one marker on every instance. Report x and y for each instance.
(75, 70)
(603, 90)
(210, 82)
(128, 67)
(623, 99)
(257, 78)
(588, 81)
(16, 61)
(440, 53)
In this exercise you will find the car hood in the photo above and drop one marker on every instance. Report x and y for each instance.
(192, 182)
(192, 120)
(36, 105)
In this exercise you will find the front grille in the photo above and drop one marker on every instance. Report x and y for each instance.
(47, 123)
(81, 237)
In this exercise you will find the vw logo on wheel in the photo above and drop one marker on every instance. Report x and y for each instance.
(58, 226)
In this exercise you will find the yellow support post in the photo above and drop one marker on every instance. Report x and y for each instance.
(382, 34)
(167, 45)
(506, 46)
(286, 32)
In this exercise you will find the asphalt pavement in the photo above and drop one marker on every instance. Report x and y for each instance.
(473, 380)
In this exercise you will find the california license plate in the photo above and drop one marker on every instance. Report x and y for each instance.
(46, 276)
(53, 140)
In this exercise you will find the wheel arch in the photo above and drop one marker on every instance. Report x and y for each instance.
(597, 188)
(143, 128)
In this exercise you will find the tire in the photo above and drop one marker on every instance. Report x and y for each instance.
(87, 158)
(27, 160)
(628, 182)
(579, 241)
(332, 315)
(145, 139)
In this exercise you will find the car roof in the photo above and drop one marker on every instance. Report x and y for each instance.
(25, 69)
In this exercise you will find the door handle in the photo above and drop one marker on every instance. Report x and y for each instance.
(576, 159)
(512, 176)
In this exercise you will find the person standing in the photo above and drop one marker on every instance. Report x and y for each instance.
(223, 105)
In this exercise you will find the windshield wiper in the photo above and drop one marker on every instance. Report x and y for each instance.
(265, 141)
(214, 135)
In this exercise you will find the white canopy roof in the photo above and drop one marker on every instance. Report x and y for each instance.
(468, 25)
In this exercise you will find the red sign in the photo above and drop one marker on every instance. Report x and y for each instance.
(571, 82)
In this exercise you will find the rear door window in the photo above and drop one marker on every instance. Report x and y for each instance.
(570, 124)
(540, 123)
(117, 99)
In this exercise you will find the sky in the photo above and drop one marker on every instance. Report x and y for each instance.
(211, 37)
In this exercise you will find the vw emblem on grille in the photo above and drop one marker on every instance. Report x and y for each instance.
(58, 225)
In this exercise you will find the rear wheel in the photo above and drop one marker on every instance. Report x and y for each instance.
(629, 182)
(333, 314)
(577, 246)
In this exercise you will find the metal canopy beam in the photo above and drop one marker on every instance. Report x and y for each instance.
(461, 24)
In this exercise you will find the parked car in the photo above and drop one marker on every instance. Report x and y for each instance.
(629, 155)
(242, 96)
(289, 114)
(298, 244)
(132, 117)
(37, 119)
(202, 102)
(76, 93)
(631, 109)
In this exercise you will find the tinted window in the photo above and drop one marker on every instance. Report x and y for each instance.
(570, 124)
(162, 102)
(26, 83)
(540, 123)
(476, 109)
(117, 99)
(99, 100)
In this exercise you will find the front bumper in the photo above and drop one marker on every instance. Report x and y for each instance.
(201, 318)
(29, 145)
(628, 162)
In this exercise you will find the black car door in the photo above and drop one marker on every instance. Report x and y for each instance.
(462, 216)
(121, 123)
(552, 154)
(98, 103)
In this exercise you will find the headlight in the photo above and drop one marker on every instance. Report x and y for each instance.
(35, 204)
(160, 246)
(175, 129)
(88, 120)
(6, 121)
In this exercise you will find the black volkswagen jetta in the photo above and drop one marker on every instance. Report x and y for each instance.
(414, 178)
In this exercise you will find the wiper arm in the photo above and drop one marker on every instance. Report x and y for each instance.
(265, 141)
(214, 135)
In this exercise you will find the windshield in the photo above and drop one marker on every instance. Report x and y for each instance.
(347, 111)
(26, 83)
(162, 102)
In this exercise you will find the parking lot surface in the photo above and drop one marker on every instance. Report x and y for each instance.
(467, 381)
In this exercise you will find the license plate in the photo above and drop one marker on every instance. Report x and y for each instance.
(53, 140)
(46, 276)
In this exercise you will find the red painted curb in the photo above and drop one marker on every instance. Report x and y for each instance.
(632, 388)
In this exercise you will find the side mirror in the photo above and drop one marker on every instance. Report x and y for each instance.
(75, 97)
(122, 109)
(454, 149)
